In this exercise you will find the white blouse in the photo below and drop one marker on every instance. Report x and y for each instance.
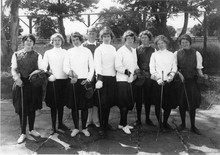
(14, 64)
(125, 59)
(54, 59)
(104, 59)
(162, 61)
(80, 60)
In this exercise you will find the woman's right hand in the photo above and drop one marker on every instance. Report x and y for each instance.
(19, 82)
(52, 78)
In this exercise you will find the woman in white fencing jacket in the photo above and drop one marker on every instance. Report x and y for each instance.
(125, 64)
(104, 59)
(79, 66)
(54, 99)
(163, 69)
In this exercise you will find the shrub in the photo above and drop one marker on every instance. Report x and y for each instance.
(6, 85)
(211, 57)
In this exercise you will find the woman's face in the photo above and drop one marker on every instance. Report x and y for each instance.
(161, 45)
(28, 43)
(145, 39)
(129, 40)
(57, 42)
(75, 41)
(92, 36)
(185, 44)
(106, 38)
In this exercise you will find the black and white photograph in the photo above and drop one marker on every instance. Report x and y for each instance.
(110, 77)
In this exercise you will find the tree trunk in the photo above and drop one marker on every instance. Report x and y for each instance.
(5, 51)
(185, 25)
(14, 30)
(61, 27)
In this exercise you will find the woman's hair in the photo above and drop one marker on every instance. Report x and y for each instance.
(31, 36)
(104, 31)
(76, 35)
(128, 33)
(185, 37)
(56, 35)
(92, 29)
(147, 33)
(163, 38)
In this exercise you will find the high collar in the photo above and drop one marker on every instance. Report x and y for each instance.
(162, 51)
(57, 49)
(89, 43)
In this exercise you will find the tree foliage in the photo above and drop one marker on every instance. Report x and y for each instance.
(156, 14)
(45, 27)
(119, 23)
(58, 8)
(171, 30)
(213, 20)
(6, 27)
(197, 30)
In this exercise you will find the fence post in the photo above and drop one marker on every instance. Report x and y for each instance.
(30, 24)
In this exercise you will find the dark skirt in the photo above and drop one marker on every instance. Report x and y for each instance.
(125, 96)
(93, 100)
(75, 95)
(143, 93)
(169, 100)
(108, 92)
(57, 100)
(32, 97)
(193, 94)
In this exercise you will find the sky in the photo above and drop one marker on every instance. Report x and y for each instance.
(70, 26)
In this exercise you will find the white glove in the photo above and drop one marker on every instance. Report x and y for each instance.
(73, 80)
(169, 78)
(155, 76)
(99, 84)
(52, 78)
(160, 82)
(18, 82)
(131, 78)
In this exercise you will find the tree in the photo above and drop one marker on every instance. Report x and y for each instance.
(214, 24)
(119, 23)
(158, 11)
(59, 9)
(45, 27)
(14, 26)
(6, 27)
(171, 31)
(197, 30)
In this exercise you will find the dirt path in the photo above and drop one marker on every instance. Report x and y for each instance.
(141, 141)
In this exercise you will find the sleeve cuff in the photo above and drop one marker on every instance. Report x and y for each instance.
(99, 77)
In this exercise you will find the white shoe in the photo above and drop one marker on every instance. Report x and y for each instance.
(130, 127)
(86, 132)
(120, 126)
(34, 133)
(74, 132)
(97, 125)
(21, 138)
(126, 130)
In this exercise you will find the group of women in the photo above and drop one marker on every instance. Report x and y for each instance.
(94, 77)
